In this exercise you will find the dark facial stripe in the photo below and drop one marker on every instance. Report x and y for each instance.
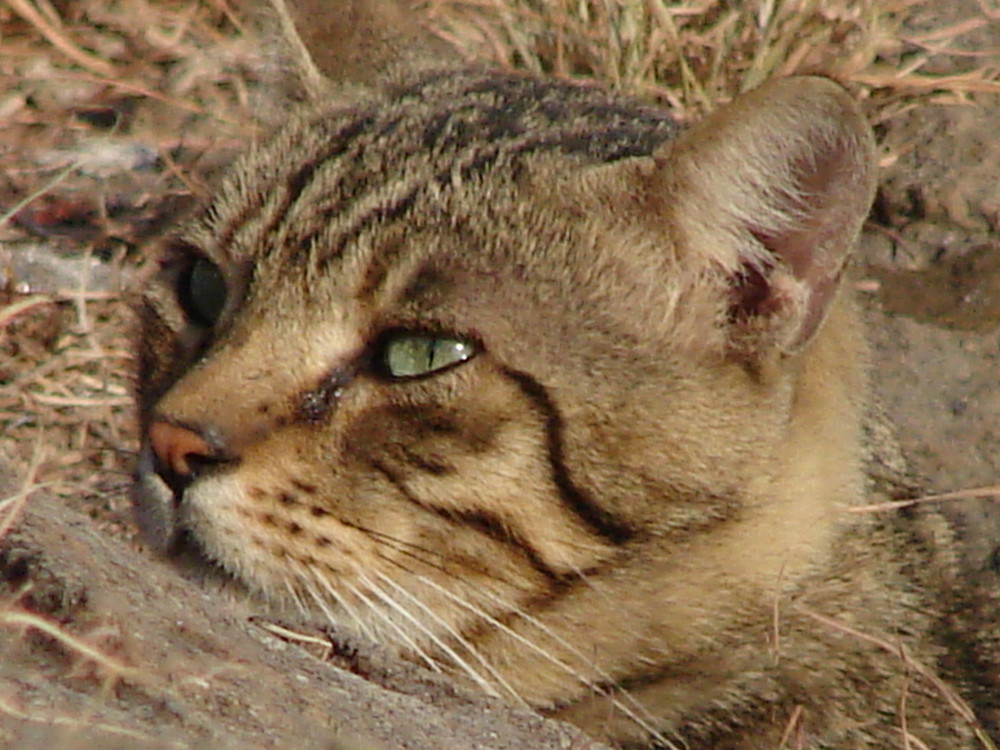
(426, 464)
(489, 525)
(387, 212)
(599, 520)
(460, 119)
(621, 144)
(481, 521)
(415, 552)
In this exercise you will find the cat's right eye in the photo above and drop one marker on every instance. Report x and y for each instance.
(410, 355)
(202, 292)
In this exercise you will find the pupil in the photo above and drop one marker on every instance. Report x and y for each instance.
(206, 292)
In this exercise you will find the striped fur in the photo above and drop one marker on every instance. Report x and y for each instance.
(345, 174)
(628, 508)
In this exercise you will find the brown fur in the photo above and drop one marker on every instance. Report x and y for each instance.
(630, 508)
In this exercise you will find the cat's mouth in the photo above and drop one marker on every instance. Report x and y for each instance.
(158, 513)
(156, 505)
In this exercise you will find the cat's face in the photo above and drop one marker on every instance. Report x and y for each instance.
(392, 358)
(442, 357)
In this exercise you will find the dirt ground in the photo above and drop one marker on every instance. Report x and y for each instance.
(104, 646)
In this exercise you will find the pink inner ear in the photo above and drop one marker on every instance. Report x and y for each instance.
(815, 248)
(751, 291)
(774, 187)
(824, 187)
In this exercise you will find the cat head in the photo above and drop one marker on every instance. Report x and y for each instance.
(434, 356)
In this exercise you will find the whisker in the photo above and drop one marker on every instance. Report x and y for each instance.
(398, 543)
(611, 691)
(456, 658)
(322, 604)
(454, 633)
(294, 595)
(305, 574)
(416, 551)
(634, 710)
(621, 699)
(403, 635)
(405, 548)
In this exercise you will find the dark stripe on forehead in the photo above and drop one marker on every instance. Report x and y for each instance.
(610, 145)
(599, 520)
(493, 109)
(459, 123)
(332, 145)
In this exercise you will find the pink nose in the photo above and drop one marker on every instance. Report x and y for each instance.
(174, 446)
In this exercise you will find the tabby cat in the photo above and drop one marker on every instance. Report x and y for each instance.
(536, 388)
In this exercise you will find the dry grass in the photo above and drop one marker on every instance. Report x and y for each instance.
(177, 79)
(170, 79)
(967, 494)
(693, 55)
(948, 695)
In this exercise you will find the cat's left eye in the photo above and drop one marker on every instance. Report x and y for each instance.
(409, 355)
(203, 292)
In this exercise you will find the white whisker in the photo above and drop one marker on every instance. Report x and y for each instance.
(454, 633)
(634, 710)
(296, 598)
(341, 601)
(310, 578)
(483, 684)
(322, 604)
(396, 628)
(620, 698)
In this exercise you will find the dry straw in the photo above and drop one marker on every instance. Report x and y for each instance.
(698, 53)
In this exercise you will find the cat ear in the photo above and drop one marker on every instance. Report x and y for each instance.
(353, 42)
(774, 189)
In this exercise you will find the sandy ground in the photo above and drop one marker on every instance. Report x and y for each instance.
(102, 646)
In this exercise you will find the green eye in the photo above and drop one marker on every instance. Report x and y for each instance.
(407, 355)
(203, 292)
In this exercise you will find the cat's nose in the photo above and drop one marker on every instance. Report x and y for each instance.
(178, 447)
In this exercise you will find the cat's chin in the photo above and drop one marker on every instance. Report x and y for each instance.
(156, 506)
(158, 518)
(158, 515)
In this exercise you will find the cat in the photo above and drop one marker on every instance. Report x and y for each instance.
(529, 384)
